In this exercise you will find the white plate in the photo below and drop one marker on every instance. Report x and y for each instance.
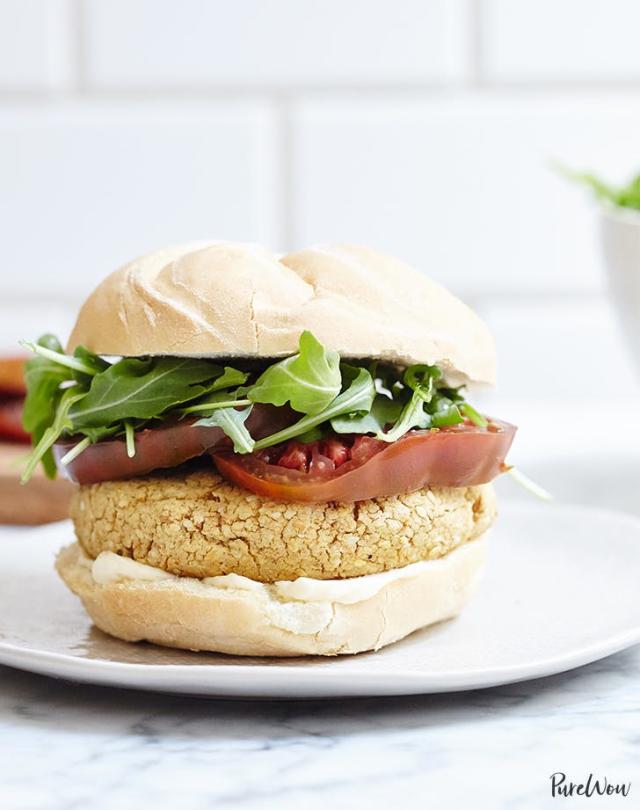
(560, 591)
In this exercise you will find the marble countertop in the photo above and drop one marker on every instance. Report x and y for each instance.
(69, 746)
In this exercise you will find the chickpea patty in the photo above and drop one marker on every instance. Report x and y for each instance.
(199, 525)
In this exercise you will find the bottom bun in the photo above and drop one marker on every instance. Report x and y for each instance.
(191, 614)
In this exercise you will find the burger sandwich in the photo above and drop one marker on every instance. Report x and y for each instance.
(274, 456)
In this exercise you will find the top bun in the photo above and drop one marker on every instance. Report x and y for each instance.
(225, 299)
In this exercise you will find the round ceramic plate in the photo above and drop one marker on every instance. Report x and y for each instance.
(560, 590)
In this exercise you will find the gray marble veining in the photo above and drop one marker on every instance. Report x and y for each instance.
(69, 746)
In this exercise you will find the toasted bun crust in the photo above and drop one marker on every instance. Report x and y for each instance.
(190, 615)
(227, 299)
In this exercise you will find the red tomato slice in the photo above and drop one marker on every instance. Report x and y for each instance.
(461, 456)
(11, 420)
(167, 445)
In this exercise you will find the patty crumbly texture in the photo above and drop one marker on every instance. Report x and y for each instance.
(199, 525)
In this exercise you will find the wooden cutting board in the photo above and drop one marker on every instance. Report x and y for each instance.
(39, 501)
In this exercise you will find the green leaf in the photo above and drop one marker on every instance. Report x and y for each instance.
(447, 415)
(44, 348)
(104, 432)
(357, 398)
(75, 451)
(231, 421)
(43, 378)
(141, 389)
(218, 398)
(623, 196)
(309, 380)
(130, 439)
(50, 436)
(214, 402)
(629, 196)
(477, 418)
(413, 416)
(422, 380)
(91, 361)
(315, 434)
(384, 411)
(230, 378)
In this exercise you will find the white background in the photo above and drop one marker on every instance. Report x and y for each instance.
(422, 127)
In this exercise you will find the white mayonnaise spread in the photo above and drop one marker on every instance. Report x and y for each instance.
(110, 568)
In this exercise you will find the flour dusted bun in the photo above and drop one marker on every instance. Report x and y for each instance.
(190, 614)
(225, 299)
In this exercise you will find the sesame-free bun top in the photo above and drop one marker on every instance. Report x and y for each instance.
(225, 299)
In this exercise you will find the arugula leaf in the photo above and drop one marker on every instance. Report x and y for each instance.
(358, 397)
(130, 440)
(413, 415)
(477, 418)
(88, 396)
(384, 411)
(45, 348)
(91, 361)
(230, 378)
(309, 380)
(422, 380)
(217, 398)
(61, 422)
(315, 434)
(75, 451)
(43, 378)
(141, 389)
(222, 399)
(99, 433)
(446, 415)
(232, 423)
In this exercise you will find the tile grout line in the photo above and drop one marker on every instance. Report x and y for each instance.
(476, 42)
(78, 52)
(484, 90)
(285, 168)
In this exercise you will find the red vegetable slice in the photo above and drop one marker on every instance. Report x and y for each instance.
(11, 420)
(461, 456)
(12, 376)
(167, 445)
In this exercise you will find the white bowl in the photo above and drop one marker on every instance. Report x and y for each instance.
(620, 234)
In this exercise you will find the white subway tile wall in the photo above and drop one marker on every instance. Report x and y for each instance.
(283, 43)
(35, 44)
(560, 40)
(88, 185)
(423, 127)
(462, 187)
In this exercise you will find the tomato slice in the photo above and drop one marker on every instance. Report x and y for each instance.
(12, 376)
(460, 456)
(11, 420)
(167, 445)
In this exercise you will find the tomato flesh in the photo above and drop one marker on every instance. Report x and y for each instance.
(461, 456)
(327, 455)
